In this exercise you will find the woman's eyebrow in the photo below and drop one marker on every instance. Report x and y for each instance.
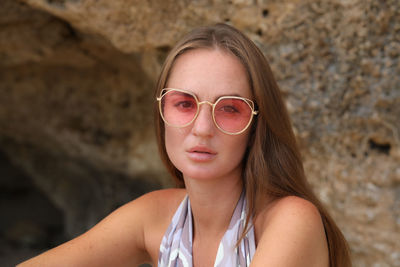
(218, 96)
(179, 93)
(215, 98)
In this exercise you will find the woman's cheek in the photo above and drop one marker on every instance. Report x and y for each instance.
(174, 144)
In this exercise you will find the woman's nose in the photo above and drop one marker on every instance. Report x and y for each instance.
(203, 125)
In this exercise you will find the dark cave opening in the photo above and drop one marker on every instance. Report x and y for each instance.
(30, 222)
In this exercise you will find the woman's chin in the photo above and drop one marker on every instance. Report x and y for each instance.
(200, 175)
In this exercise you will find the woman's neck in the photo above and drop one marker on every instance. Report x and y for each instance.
(213, 202)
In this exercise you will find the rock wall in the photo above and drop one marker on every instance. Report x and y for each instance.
(76, 79)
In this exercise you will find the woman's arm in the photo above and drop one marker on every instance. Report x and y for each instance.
(118, 240)
(292, 235)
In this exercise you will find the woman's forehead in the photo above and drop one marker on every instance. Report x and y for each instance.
(209, 73)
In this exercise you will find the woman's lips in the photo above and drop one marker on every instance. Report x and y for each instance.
(201, 154)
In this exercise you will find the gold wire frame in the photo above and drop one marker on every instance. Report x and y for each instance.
(246, 100)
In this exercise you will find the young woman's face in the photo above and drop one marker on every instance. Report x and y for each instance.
(200, 150)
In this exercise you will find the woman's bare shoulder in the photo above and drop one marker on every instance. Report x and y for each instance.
(290, 232)
(158, 208)
(160, 202)
(290, 207)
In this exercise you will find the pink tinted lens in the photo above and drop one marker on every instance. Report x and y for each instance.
(232, 115)
(178, 108)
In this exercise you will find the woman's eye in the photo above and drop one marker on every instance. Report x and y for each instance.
(229, 109)
(184, 104)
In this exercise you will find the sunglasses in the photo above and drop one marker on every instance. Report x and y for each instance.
(231, 114)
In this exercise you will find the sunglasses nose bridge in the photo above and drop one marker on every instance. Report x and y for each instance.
(205, 102)
(203, 122)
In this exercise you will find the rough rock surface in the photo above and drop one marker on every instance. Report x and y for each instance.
(76, 80)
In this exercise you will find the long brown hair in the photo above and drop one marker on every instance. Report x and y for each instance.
(272, 164)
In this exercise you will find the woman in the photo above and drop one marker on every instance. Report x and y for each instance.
(225, 136)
